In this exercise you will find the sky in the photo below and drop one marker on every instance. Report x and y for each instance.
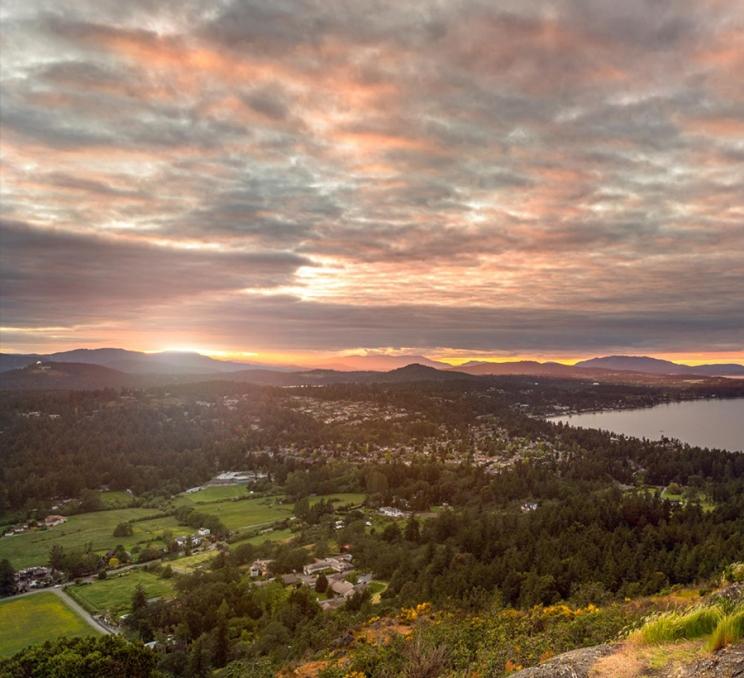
(289, 181)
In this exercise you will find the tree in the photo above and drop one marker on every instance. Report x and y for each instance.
(57, 557)
(199, 658)
(7, 578)
(412, 531)
(221, 636)
(90, 500)
(123, 530)
(110, 656)
(321, 583)
(139, 599)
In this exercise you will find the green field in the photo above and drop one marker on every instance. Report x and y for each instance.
(210, 494)
(274, 535)
(115, 499)
(188, 564)
(32, 548)
(342, 499)
(244, 514)
(36, 618)
(114, 595)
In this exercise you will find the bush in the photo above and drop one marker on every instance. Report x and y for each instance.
(729, 630)
(671, 626)
(733, 574)
(123, 530)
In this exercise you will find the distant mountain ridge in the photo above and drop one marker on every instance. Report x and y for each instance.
(627, 363)
(135, 362)
(117, 368)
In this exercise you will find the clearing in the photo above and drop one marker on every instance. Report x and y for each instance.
(35, 618)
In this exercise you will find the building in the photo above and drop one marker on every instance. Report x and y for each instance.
(392, 512)
(260, 568)
(342, 588)
(339, 563)
(54, 520)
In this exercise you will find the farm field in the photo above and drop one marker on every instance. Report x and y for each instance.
(244, 514)
(275, 535)
(187, 564)
(114, 595)
(32, 548)
(211, 494)
(343, 499)
(36, 618)
(115, 499)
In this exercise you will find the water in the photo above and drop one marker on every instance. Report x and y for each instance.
(705, 423)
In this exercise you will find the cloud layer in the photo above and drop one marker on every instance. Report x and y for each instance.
(545, 178)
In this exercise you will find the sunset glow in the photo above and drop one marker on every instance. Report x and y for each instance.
(464, 181)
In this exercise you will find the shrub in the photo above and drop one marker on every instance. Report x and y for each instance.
(670, 626)
(733, 574)
(729, 630)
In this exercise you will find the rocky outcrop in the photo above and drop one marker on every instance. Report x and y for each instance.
(574, 664)
(728, 663)
(610, 661)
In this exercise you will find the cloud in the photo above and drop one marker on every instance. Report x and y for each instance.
(562, 159)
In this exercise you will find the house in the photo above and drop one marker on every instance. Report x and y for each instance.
(331, 603)
(529, 506)
(342, 588)
(204, 532)
(260, 568)
(339, 563)
(392, 512)
(54, 520)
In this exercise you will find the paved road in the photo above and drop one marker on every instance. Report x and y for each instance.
(73, 605)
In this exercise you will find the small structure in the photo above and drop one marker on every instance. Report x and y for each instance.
(392, 512)
(339, 563)
(342, 588)
(54, 520)
(260, 568)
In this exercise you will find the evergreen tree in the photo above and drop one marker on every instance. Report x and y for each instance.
(7, 578)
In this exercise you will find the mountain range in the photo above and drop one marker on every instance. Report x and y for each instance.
(118, 368)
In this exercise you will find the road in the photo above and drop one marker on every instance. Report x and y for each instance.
(73, 605)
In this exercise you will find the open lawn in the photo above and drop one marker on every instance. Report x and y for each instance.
(188, 564)
(342, 499)
(114, 595)
(244, 514)
(32, 548)
(210, 494)
(274, 535)
(115, 499)
(36, 618)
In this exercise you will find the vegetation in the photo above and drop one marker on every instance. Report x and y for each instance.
(522, 538)
(671, 626)
(94, 530)
(35, 619)
(114, 594)
(109, 656)
(729, 630)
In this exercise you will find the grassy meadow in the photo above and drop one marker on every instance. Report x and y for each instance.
(114, 595)
(36, 618)
(96, 529)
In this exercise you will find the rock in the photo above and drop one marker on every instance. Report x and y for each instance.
(727, 663)
(574, 664)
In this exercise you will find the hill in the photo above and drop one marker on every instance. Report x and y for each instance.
(135, 362)
(650, 365)
(65, 376)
